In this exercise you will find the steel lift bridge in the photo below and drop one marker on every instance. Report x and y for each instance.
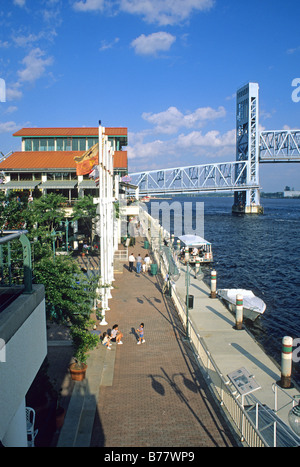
(242, 176)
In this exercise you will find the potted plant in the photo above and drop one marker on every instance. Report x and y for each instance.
(83, 341)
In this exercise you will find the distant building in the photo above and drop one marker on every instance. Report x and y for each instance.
(291, 194)
(46, 162)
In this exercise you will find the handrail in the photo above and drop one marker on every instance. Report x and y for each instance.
(11, 235)
(219, 385)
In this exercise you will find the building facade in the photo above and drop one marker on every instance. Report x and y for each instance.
(46, 163)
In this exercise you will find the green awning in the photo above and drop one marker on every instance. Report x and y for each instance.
(21, 185)
(58, 184)
(87, 184)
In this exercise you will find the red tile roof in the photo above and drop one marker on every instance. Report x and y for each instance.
(81, 131)
(31, 160)
(120, 159)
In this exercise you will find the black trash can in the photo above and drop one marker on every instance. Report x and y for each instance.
(190, 301)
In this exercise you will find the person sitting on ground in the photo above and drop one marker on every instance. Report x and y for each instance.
(106, 340)
(116, 335)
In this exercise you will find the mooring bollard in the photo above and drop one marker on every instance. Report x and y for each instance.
(213, 284)
(239, 312)
(286, 362)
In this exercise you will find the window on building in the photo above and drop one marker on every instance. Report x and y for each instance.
(43, 144)
(25, 176)
(92, 142)
(28, 144)
(59, 144)
(50, 144)
(82, 144)
(35, 144)
(75, 143)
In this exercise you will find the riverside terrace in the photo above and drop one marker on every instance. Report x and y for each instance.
(162, 379)
(156, 389)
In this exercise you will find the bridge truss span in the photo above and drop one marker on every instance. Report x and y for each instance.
(225, 176)
(279, 146)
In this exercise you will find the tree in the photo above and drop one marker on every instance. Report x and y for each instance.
(47, 211)
(68, 292)
(86, 211)
(12, 215)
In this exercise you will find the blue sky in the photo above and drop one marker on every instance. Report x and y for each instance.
(166, 69)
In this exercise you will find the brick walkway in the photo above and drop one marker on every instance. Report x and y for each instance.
(158, 397)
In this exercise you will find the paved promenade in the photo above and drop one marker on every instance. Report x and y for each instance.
(148, 395)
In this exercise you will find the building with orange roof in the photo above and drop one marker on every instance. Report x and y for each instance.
(46, 162)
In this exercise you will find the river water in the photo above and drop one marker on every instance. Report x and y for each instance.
(261, 253)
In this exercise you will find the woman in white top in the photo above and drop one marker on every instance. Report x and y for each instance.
(146, 263)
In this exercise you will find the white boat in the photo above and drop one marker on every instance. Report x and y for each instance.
(199, 249)
(252, 306)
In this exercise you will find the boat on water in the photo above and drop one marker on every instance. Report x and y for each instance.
(197, 249)
(253, 306)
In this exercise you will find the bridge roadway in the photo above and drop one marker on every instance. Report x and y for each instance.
(149, 395)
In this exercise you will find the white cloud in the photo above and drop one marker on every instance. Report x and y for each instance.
(292, 51)
(13, 92)
(210, 145)
(11, 109)
(162, 12)
(20, 3)
(212, 139)
(35, 65)
(156, 42)
(90, 5)
(8, 127)
(108, 45)
(165, 12)
(172, 119)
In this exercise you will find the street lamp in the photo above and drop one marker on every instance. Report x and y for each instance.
(294, 419)
(66, 222)
(199, 276)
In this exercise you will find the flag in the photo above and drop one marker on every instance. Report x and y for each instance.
(86, 162)
(95, 174)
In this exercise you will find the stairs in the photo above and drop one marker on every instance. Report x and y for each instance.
(79, 420)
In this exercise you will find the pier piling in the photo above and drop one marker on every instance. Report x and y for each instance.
(286, 362)
(239, 312)
(213, 284)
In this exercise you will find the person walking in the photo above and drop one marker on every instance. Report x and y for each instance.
(140, 332)
(146, 263)
(131, 260)
(138, 264)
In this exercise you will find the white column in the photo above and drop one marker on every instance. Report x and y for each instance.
(101, 290)
(16, 434)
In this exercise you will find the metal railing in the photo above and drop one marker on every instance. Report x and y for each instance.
(15, 271)
(251, 420)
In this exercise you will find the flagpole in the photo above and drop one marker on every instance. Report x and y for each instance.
(102, 220)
